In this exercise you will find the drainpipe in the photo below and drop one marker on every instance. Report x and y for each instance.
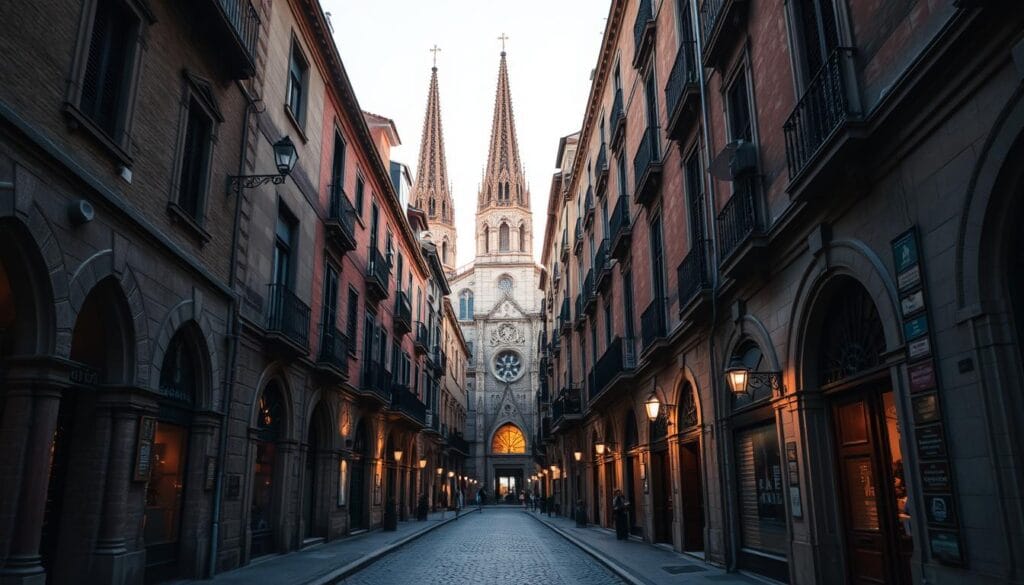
(234, 325)
(725, 470)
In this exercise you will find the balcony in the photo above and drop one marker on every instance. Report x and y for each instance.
(621, 229)
(588, 208)
(616, 365)
(234, 26)
(643, 33)
(405, 403)
(589, 293)
(825, 125)
(545, 428)
(458, 443)
(340, 224)
(375, 382)
(682, 93)
(721, 21)
(564, 316)
(378, 275)
(422, 342)
(332, 359)
(581, 318)
(403, 313)
(603, 266)
(556, 342)
(647, 167)
(601, 168)
(577, 245)
(565, 245)
(741, 237)
(566, 409)
(653, 327)
(287, 321)
(618, 120)
(433, 423)
(694, 283)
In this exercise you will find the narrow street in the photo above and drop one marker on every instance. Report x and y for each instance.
(500, 545)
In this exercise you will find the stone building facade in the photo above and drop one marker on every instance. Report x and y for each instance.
(498, 301)
(783, 312)
(195, 369)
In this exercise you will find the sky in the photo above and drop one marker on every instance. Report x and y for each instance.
(552, 47)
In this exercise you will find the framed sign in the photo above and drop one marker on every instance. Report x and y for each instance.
(791, 464)
(912, 302)
(940, 509)
(919, 348)
(376, 486)
(922, 376)
(904, 251)
(945, 547)
(234, 490)
(926, 408)
(931, 442)
(935, 476)
(916, 327)
(144, 448)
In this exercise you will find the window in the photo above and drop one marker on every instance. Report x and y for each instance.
(695, 196)
(818, 34)
(374, 224)
(466, 306)
(651, 91)
(738, 100)
(108, 72)
(284, 241)
(627, 298)
(360, 188)
(487, 239)
(503, 238)
(522, 238)
(657, 264)
(329, 316)
(508, 439)
(607, 324)
(297, 79)
(444, 252)
(621, 166)
(195, 160)
(352, 321)
(338, 167)
(400, 272)
(505, 284)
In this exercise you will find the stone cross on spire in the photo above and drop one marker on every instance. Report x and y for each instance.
(432, 191)
(503, 38)
(503, 182)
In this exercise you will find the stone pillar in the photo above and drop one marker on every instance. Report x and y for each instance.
(23, 564)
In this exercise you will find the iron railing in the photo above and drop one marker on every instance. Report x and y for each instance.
(458, 442)
(378, 272)
(580, 316)
(710, 10)
(603, 264)
(568, 403)
(653, 322)
(683, 75)
(376, 379)
(601, 169)
(245, 20)
(824, 107)
(588, 208)
(578, 236)
(618, 115)
(564, 316)
(422, 341)
(644, 17)
(405, 401)
(288, 315)
(692, 274)
(403, 312)
(737, 220)
(341, 218)
(645, 161)
(620, 225)
(589, 292)
(333, 349)
(619, 357)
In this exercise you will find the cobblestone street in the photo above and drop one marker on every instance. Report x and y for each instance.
(497, 546)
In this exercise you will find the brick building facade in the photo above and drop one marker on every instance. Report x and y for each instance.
(197, 371)
(782, 312)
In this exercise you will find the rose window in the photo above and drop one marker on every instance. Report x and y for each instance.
(507, 366)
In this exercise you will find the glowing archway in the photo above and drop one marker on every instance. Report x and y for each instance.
(508, 439)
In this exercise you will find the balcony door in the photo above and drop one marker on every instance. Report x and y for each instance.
(817, 32)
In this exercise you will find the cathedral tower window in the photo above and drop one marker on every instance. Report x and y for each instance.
(466, 305)
(503, 238)
(522, 238)
(487, 239)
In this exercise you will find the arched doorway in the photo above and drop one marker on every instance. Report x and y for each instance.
(180, 377)
(634, 476)
(264, 509)
(611, 482)
(508, 439)
(357, 499)
(691, 481)
(318, 449)
(847, 355)
(595, 471)
(660, 478)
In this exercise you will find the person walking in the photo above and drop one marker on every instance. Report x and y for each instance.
(480, 500)
(458, 502)
(620, 506)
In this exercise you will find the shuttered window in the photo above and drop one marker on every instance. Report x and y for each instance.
(762, 509)
(107, 65)
(195, 159)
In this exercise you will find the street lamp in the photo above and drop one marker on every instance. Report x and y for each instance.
(422, 463)
(599, 448)
(285, 158)
(440, 470)
(653, 405)
(451, 474)
(737, 375)
(398, 455)
(577, 455)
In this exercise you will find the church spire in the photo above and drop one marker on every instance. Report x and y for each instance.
(432, 191)
(503, 182)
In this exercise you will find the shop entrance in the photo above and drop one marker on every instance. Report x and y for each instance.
(661, 486)
(691, 485)
(508, 483)
(873, 492)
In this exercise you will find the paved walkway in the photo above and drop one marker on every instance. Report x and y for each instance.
(328, 562)
(637, 562)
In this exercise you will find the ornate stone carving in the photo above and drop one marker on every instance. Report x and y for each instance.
(507, 334)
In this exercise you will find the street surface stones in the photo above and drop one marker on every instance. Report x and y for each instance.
(501, 546)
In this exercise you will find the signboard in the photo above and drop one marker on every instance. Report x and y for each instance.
(904, 251)
(144, 448)
(916, 327)
(931, 442)
(945, 547)
(768, 471)
(234, 490)
(940, 509)
(922, 376)
(935, 476)
(912, 302)
(919, 348)
(793, 473)
(926, 408)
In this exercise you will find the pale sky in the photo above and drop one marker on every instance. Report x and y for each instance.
(552, 49)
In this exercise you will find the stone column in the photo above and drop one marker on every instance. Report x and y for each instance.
(23, 564)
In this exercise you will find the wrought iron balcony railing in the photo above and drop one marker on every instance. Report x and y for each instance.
(422, 342)
(376, 380)
(581, 317)
(643, 32)
(618, 119)
(458, 442)
(692, 274)
(288, 315)
(647, 167)
(568, 404)
(620, 357)
(653, 323)
(578, 237)
(601, 171)
(823, 109)
(737, 221)
(333, 350)
(241, 21)
(403, 313)
(621, 228)
(378, 274)
(588, 208)
(589, 293)
(407, 403)
(341, 220)
(564, 316)
(603, 265)
(682, 94)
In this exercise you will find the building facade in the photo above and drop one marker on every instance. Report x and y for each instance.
(782, 314)
(498, 303)
(208, 292)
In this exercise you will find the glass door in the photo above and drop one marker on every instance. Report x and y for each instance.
(164, 497)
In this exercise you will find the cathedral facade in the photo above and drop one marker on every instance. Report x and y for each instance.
(499, 306)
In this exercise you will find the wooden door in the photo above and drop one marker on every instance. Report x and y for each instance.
(866, 480)
(692, 487)
(661, 484)
(609, 492)
(357, 495)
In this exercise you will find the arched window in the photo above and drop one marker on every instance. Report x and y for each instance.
(444, 252)
(487, 239)
(522, 238)
(508, 439)
(178, 377)
(466, 305)
(853, 340)
(444, 210)
(503, 238)
(433, 206)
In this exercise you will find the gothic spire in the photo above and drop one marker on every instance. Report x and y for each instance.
(432, 191)
(503, 182)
